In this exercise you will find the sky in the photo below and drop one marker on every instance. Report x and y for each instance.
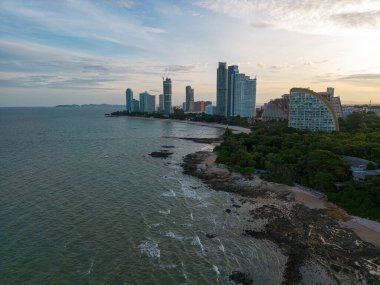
(90, 51)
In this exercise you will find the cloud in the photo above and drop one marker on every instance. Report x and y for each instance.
(299, 15)
(85, 22)
(360, 19)
(123, 3)
(155, 30)
(178, 68)
(33, 65)
(362, 76)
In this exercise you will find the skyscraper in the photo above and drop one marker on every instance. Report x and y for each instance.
(221, 88)
(147, 102)
(167, 96)
(128, 100)
(248, 98)
(310, 110)
(232, 70)
(235, 92)
(189, 98)
(161, 103)
(238, 90)
(244, 96)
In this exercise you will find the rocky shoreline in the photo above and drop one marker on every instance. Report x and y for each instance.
(307, 231)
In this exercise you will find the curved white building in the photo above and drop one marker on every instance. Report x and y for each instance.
(309, 110)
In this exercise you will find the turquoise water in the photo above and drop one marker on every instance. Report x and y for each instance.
(82, 202)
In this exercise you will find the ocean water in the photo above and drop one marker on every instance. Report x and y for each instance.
(82, 202)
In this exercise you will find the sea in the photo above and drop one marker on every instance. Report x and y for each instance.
(83, 202)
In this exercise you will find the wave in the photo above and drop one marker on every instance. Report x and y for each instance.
(215, 268)
(197, 241)
(164, 212)
(149, 248)
(156, 225)
(169, 193)
(168, 266)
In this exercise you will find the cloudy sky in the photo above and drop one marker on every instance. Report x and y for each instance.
(90, 51)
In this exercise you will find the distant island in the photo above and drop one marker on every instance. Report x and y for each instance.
(89, 106)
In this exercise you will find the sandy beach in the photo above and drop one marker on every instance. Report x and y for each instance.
(205, 124)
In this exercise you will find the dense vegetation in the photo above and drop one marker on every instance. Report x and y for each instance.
(198, 117)
(312, 159)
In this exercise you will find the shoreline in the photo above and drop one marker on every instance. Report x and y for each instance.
(367, 230)
(197, 123)
(307, 227)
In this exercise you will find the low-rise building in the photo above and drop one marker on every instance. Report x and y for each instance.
(199, 106)
(277, 109)
(335, 101)
(210, 110)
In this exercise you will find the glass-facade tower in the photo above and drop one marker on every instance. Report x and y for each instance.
(167, 84)
(128, 100)
(230, 103)
(189, 98)
(221, 88)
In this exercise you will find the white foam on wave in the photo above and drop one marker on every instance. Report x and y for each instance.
(204, 205)
(197, 241)
(221, 246)
(149, 248)
(168, 266)
(177, 236)
(156, 225)
(215, 268)
(91, 266)
(191, 216)
(187, 190)
(209, 148)
(164, 212)
(169, 193)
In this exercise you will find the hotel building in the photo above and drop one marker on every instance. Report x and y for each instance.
(312, 111)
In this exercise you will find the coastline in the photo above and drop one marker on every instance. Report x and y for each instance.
(308, 228)
(199, 123)
(367, 230)
(312, 232)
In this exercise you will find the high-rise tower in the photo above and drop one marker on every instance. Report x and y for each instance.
(189, 98)
(161, 103)
(128, 100)
(230, 103)
(167, 84)
(248, 99)
(221, 88)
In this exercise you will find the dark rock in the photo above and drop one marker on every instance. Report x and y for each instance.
(240, 278)
(228, 211)
(236, 206)
(167, 146)
(210, 235)
(199, 140)
(162, 154)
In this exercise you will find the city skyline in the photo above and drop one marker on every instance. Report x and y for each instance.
(79, 52)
